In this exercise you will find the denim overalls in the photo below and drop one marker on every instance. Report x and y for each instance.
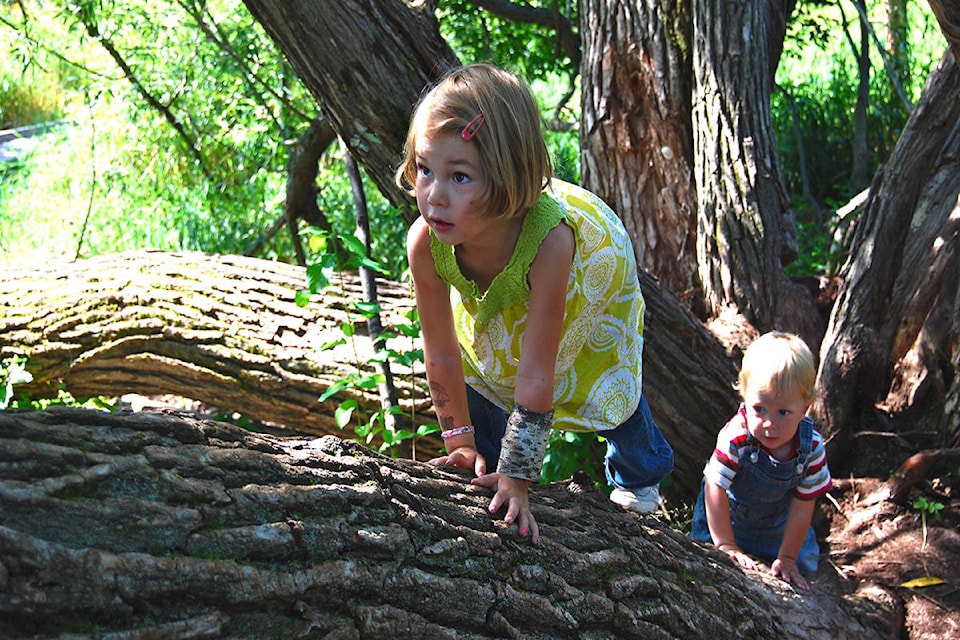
(760, 498)
(637, 453)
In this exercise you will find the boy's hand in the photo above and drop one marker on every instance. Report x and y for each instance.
(739, 556)
(512, 492)
(465, 458)
(787, 569)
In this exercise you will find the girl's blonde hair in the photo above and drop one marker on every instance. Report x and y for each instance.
(513, 154)
(779, 361)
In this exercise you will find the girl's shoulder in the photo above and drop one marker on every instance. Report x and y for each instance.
(418, 237)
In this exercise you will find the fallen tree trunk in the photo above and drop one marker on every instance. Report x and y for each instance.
(222, 330)
(226, 331)
(151, 525)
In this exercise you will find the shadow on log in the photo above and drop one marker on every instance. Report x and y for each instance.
(150, 525)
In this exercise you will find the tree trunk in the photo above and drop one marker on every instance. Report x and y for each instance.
(226, 331)
(168, 526)
(222, 330)
(893, 335)
(637, 147)
(365, 62)
(860, 172)
(746, 230)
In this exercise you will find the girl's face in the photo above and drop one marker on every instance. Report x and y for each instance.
(773, 417)
(449, 183)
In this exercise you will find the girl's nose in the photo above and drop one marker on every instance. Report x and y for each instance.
(436, 196)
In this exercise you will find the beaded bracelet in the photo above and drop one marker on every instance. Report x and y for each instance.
(456, 431)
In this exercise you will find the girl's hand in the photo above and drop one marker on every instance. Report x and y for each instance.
(512, 492)
(787, 569)
(739, 556)
(464, 458)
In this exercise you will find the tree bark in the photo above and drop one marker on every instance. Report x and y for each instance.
(893, 335)
(746, 229)
(222, 330)
(636, 142)
(151, 525)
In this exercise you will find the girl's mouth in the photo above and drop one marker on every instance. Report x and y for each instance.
(440, 225)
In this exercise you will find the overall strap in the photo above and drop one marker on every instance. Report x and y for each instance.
(805, 447)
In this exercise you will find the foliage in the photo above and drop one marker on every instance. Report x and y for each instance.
(932, 507)
(334, 258)
(12, 371)
(812, 111)
(218, 102)
(526, 49)
(570, 451)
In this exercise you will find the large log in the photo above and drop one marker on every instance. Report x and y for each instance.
(222, 330)
(226, 331)
(161, 525)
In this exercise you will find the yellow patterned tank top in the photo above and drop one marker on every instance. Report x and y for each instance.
(598, 376)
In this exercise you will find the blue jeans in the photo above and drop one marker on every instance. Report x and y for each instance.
(637, 453)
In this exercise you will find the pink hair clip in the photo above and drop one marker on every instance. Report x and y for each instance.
(472, 127)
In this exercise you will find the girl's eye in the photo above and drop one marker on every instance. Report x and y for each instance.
(783, 412)
(461, 178)
(423, 170)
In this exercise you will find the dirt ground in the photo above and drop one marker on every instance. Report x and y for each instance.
(867, 539)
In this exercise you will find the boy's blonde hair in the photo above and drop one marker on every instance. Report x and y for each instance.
(513, 154)
(779, 361)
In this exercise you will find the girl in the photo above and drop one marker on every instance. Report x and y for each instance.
(528, 297)
(769, 466)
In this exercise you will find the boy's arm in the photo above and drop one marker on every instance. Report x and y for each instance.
(441, 350)
(798, 523)
(717, 505)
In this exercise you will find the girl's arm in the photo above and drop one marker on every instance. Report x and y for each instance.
(717, 505)
(441, 350)
(548, 278)
(798, 523)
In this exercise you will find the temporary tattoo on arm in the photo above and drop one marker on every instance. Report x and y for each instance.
(439, 394)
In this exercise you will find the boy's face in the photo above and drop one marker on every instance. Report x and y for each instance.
(773, 416)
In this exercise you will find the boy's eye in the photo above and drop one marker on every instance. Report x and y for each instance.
(759, 410)
(423, 170)
(783, 412)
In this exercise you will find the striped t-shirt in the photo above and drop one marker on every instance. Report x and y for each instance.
(722, 466)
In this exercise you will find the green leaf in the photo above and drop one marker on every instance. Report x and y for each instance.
(371, 381)
(344, 413)
(367, 309)
(330, 344)
(336, 387)
(427, 429)
(318, 277)
(409, 330)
